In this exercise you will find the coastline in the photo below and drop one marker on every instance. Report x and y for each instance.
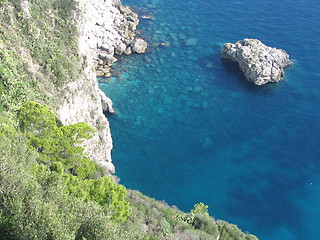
(106, 29)
(82, 200)
(188, 127)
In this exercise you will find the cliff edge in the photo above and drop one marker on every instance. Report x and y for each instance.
(106, 28)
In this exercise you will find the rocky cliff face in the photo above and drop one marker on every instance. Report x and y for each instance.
(106, 28)
(260, 64)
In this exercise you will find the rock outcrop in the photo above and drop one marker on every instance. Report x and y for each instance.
(138, 45)
(105, 29)
(108, 30)
(106, 102)
(260, 64)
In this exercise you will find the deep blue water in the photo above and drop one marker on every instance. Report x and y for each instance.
(189, 128)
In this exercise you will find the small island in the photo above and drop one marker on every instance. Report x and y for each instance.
(259, 63)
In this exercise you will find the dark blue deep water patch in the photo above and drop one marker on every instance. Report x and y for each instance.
(189, 128)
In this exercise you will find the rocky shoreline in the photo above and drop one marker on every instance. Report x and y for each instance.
(106, 30)
(260, 64)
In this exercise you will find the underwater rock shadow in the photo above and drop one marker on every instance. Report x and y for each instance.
(226, 71)
(231, 74)
(232, 68)
(210, 62)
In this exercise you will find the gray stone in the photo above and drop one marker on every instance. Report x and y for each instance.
(106, 102)
(106, 58)
(116, 3)
(132, 26)
(260, 64)
(109, 49)
(120, 48)
(139, 45)
(127, 51)
(125, 10)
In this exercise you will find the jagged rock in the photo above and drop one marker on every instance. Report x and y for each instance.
(107, 48)
(117, 3)
(107, 75)
(106, 102)
(121, 48)
(109, 27)
(132, 26)
(100, 73)
(125, 9)
(139, 45)
(260, 64)
(107, 59)
(127, 51)
(25, 7)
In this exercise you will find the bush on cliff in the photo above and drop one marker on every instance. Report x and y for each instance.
(41, 208)
(58, 150)
(51, 141)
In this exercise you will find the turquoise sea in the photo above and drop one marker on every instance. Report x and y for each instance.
(189, 128)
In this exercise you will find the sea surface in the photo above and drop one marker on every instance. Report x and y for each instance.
(189, 128)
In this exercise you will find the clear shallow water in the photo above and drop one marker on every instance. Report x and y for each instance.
(190, 128)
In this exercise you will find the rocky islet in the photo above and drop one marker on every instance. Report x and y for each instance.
(260, 64)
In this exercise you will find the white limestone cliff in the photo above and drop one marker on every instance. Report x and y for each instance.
(105, 28)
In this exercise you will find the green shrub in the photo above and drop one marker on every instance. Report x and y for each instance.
(58, 148)
(206, 224)
(232, 232)
(54, 143)
(200, 208)
(38, 52)
(12, 90)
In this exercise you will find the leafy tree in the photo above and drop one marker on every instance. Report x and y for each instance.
(106, 192)
(54, 143)
(40, 126)
(200, 208)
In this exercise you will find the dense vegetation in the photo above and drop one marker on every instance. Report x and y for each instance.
(49, 188)
(38, 50)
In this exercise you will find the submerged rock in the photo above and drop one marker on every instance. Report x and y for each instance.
(260, 64)
(192, 42)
